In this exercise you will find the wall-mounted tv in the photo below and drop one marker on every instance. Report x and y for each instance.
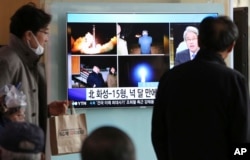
(138, 47)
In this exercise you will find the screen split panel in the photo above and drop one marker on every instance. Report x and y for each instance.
(117, 59)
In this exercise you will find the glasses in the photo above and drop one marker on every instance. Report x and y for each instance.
(45, 32)
(191, 40)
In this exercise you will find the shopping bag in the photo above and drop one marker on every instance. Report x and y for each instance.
(67, 133)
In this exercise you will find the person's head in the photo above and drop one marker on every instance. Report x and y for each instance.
(12, 103)
(112, 70)
(144, 33)
(218, 34)
(30, 24)
(21, 141)
(190, 36)
(108, 143)
(96, 69)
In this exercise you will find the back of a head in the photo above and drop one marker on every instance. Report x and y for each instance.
(28, 17)
(108, 143)
(217, 33)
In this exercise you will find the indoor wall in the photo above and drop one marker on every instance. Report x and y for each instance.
(134, 121)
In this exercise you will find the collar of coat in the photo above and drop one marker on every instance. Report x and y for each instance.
(210, 56)
(23, 51)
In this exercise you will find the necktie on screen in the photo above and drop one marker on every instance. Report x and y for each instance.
(192, 56)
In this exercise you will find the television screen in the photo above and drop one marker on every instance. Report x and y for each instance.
(117, 59)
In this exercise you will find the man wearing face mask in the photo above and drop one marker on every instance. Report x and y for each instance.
(20, 65)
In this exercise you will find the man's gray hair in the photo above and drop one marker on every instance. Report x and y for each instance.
(190, 29)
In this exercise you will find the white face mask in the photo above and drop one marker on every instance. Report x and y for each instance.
(39, 50)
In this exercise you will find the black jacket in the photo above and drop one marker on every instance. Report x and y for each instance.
(201, 109)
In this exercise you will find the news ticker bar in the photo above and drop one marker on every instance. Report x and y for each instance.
(114, 103)
(120, 93)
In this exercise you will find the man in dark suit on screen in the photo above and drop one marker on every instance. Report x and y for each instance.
(95, 78)
(190, 37)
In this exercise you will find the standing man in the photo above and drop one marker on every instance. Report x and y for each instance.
(122, 47)
(95, 78)
(202, 107)
(145, 42)
(20, 66)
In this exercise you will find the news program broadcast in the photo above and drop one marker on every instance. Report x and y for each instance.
(117, 59)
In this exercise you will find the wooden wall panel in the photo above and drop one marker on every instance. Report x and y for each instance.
(7, 9)
(75, 61)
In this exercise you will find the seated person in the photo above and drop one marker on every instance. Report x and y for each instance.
(12, 105)
(190, 36)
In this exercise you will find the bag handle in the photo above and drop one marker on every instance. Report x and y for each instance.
(72, 108)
